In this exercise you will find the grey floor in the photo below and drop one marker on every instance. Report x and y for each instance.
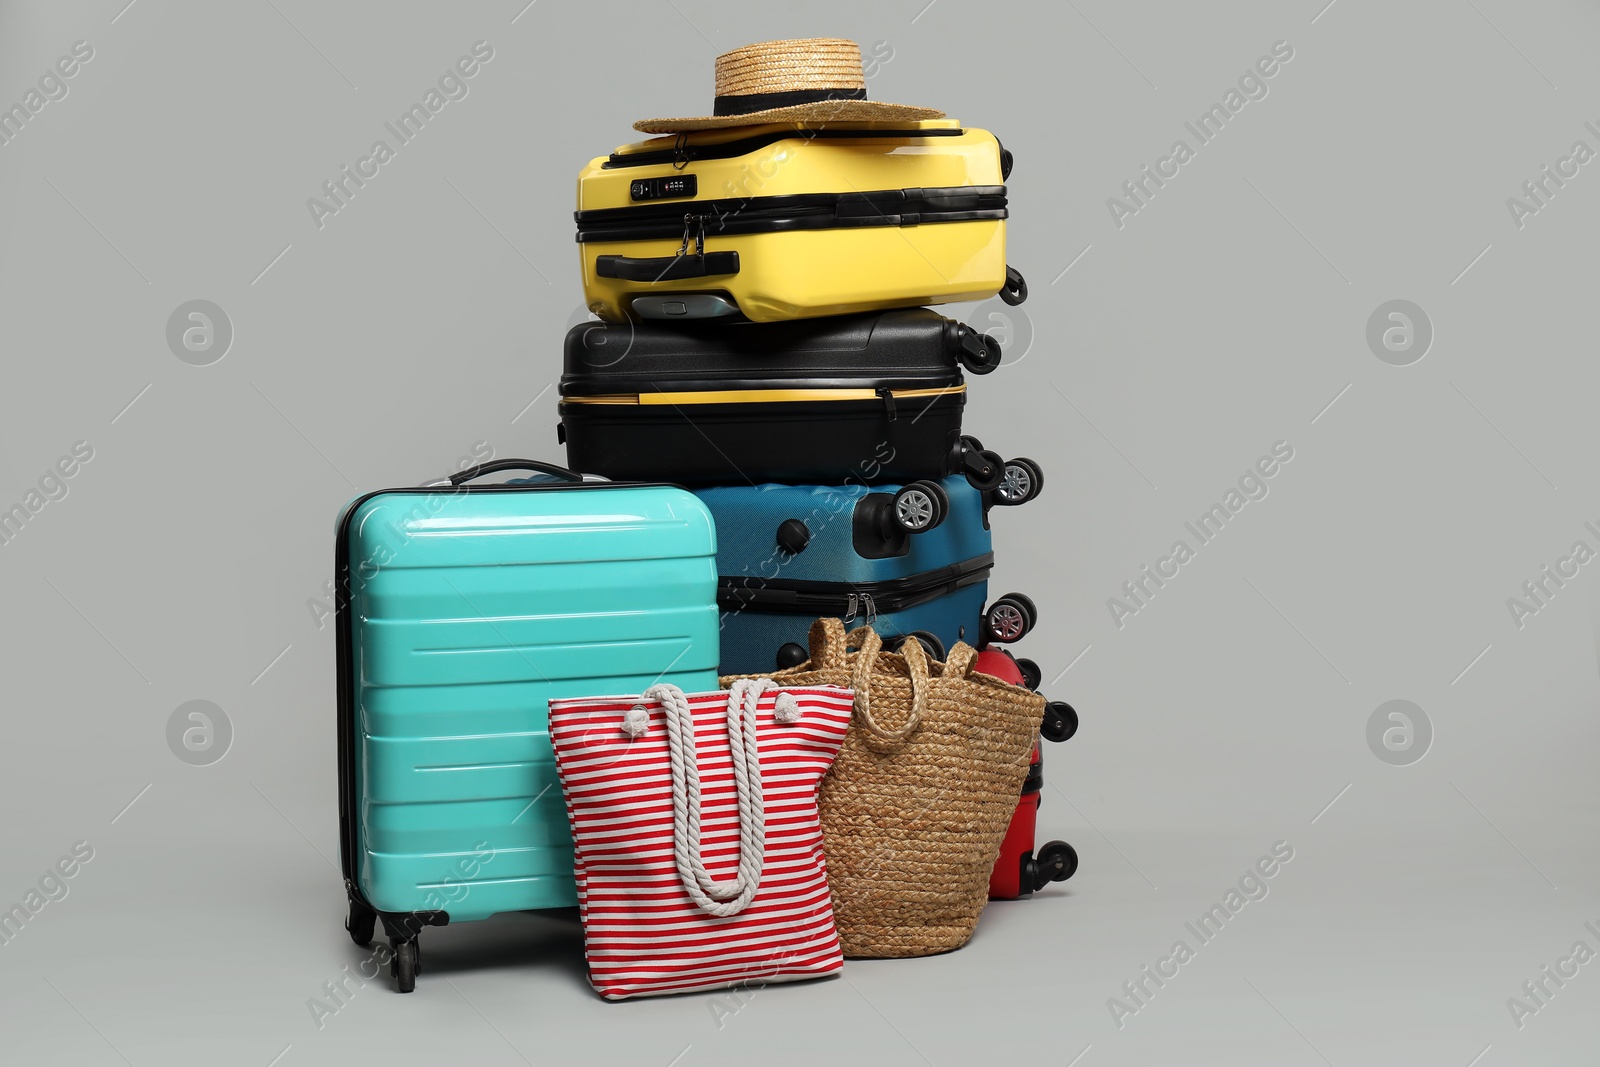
(1163, 352)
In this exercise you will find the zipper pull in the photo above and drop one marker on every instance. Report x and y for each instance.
(887, 396)
(850, 608)
(683, 247)
(872, 609)
(689, 221)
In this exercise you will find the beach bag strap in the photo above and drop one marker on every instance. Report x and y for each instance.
(959, 660)
(916, 660)
(828, 646)
(731, 897)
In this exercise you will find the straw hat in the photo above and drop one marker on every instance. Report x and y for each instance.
(816, 79)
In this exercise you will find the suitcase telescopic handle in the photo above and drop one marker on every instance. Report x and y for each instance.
(495, 465)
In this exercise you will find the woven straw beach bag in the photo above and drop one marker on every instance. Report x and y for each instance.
(920, 796)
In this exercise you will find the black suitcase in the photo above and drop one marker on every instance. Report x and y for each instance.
(875, 398)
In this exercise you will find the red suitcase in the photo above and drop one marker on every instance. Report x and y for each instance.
(1020, 870)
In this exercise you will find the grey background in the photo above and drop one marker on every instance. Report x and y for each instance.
(1223, 317)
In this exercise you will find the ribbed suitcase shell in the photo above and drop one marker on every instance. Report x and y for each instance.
(753, 567)
(468, 610)
(793, 402)
(875, 257)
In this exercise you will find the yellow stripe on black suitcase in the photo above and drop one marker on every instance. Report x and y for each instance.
(787, 222)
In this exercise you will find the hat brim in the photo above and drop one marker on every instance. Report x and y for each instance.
(822, 111)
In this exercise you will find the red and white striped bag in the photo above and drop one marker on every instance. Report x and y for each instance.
(698, 851)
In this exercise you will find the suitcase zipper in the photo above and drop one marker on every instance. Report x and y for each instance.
(797, 211)
(882, 395)
(849, 601)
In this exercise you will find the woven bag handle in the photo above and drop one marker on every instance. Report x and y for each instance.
(958, 662)
(828, 645)
(916, 658)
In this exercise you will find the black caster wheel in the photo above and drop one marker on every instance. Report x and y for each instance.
(1021, 481)
(360, 923)
(405, 965)
(930, 643)
(1015, 290)
(791, 654)
(938, 490)
(985, 470)
(991, 475)
(1027, 607)
(980, 353)
(1009, 618)
(921, 506)
(1060, 721)
(1031, 674)
(1056, 861)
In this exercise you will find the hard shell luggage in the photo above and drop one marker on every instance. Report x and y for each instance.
(1020, 871)
(911, 559)
(875, 397)
(462, 611)
(784, 221)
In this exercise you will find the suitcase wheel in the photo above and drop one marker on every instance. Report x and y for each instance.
(980, 352)
(1021, 480)
(921, 506)
(985, 470)
(1031, 674)
(1015, 290)
(1009, 618)
(1056, 861)
(405, 964)
(1060, 721)
(360, 923)
(929, 641)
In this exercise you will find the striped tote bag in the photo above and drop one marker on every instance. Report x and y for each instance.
(698, 851)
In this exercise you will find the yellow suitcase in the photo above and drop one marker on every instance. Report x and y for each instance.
(788, 222)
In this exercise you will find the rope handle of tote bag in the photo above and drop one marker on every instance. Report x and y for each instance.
(730, 897)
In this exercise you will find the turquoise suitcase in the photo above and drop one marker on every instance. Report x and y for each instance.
(462, 610)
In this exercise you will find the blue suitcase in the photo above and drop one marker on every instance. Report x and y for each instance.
(910, 560)
(462, 610)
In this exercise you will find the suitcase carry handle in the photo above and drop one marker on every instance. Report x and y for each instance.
(666, 268)
(496, 465)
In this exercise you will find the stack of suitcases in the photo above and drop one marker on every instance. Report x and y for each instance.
(762, 339)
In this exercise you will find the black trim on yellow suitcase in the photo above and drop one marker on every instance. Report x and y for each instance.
(691, 153)
(795, 211)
